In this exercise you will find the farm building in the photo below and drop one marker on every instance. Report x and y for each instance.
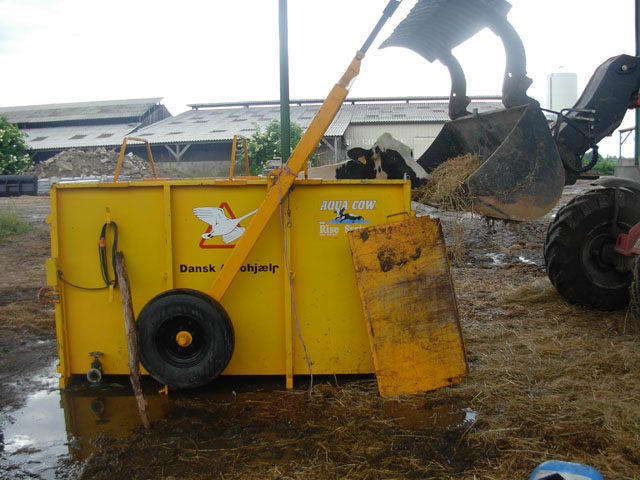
(200, 140)
(204, 134)
(50, 129)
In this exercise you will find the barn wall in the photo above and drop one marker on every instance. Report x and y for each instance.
(197, 152)
(418, 136)
(220, 152)
(155, 114)
(204, 169)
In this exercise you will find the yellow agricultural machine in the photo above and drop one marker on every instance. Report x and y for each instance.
(257, 276)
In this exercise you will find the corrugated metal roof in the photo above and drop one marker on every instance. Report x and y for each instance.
(341, 121)
(65, 112)
(221, 124)
(63, 138)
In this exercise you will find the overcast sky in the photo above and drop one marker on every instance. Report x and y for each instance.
(55, 51)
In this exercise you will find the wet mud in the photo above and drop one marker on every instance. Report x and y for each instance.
(238, 427)
(343, 428)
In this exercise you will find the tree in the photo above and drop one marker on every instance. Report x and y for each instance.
(14, 158)
(265, 145)
(604, 166)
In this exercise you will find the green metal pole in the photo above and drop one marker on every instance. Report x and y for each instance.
(285, 126)
(637, 142)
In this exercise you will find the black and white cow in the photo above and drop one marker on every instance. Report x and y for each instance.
(387, 159)
(397, 161)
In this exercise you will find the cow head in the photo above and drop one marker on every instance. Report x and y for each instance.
(396, 167)
(360, 165)
(397, 160)
(389, 158)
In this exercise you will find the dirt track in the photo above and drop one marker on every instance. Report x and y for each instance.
(548, 381)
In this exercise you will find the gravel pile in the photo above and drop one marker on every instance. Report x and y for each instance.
(99, 161)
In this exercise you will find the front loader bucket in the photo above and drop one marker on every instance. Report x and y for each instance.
(522, 177)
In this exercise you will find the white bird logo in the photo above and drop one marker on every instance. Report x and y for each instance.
(221, 225)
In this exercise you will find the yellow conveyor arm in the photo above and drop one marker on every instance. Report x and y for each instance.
(285, 176)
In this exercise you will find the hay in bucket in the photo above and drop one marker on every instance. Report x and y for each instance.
(445, 189)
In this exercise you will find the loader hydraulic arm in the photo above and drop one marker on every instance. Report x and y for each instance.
(282, 179)
(612, 90)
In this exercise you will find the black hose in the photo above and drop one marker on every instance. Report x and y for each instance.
(587, 167)
(103, 260)
(102, 252)
(594, 159)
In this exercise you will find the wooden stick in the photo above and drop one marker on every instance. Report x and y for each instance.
(132, 340)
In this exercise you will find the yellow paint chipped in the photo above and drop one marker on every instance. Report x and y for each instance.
(409, 306)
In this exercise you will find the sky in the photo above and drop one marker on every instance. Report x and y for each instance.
(197, 51)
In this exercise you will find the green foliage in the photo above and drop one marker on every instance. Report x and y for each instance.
(265, 145)
(11, 223)
(14, 158)
(604, 166)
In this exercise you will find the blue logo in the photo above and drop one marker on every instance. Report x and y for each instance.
(343, 217)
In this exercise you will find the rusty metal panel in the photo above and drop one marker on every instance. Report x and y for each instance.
(409, 306)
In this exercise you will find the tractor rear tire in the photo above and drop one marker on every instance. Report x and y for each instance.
(578, 250)
(186, 338)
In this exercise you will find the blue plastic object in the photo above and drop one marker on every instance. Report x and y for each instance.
(558, 470)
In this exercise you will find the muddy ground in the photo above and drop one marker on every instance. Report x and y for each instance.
(548, 381)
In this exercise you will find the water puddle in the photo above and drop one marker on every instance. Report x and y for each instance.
(55, 431)
(427, 416)
(34, 437)
(526, 261)
(497, 258)
(501, 259)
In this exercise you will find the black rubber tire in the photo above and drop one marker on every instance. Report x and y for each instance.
(578, 250)
(209, 326)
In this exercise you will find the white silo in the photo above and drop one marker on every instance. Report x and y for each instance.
(562, 90)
